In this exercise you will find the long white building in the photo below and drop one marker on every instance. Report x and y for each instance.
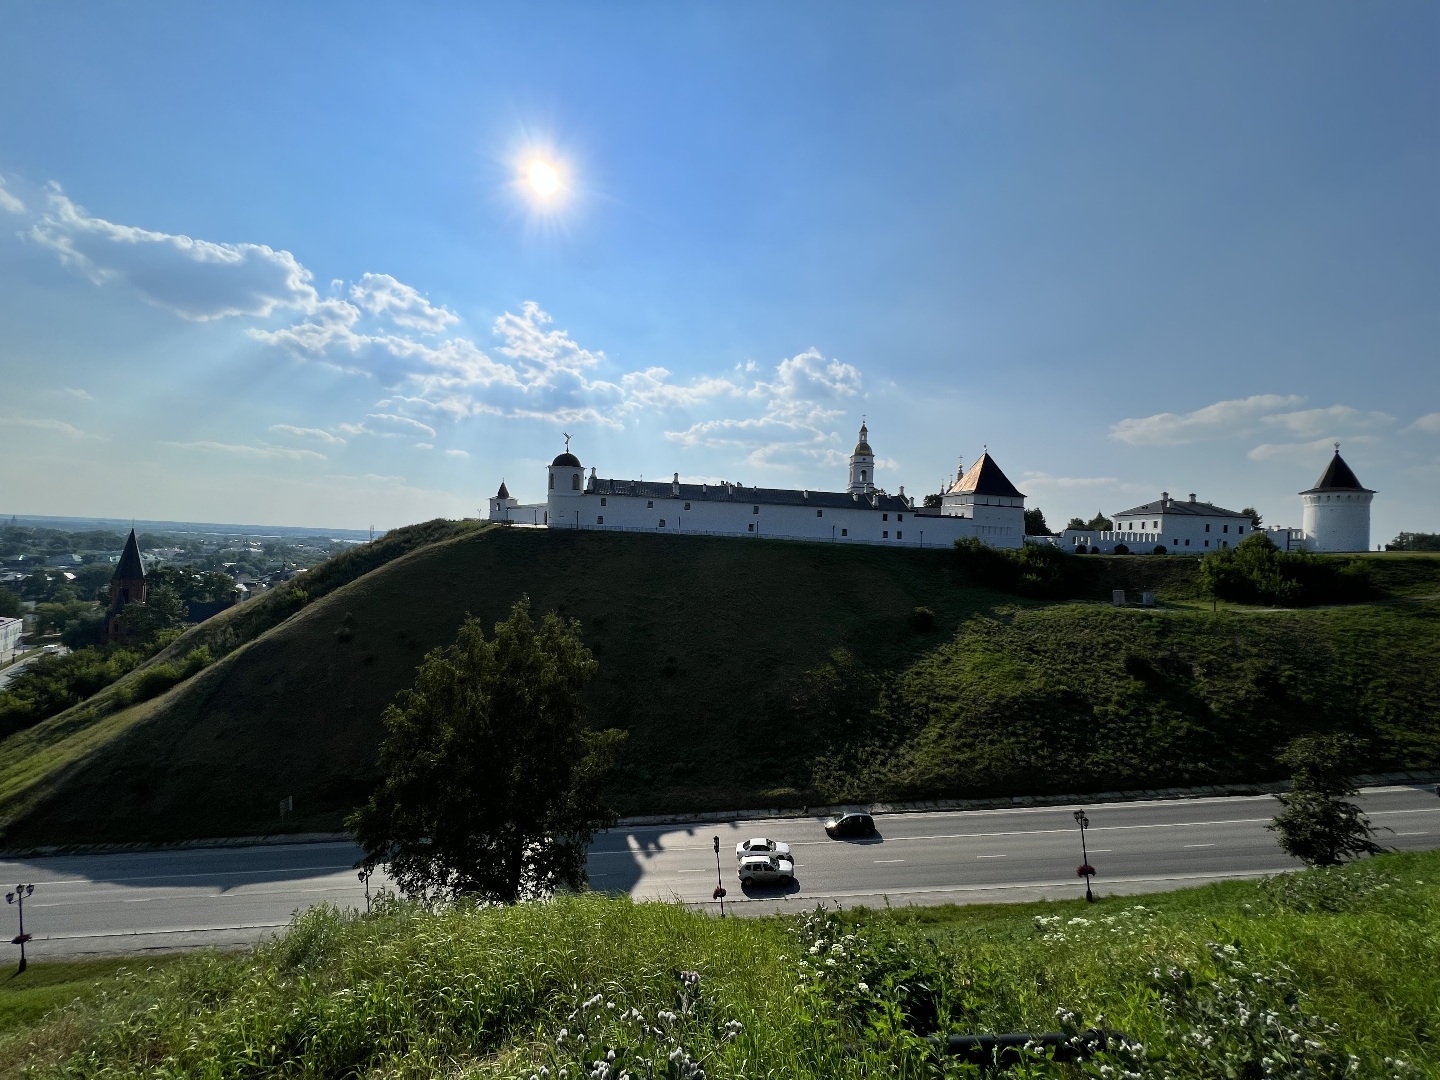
(1179, 527)
(981, 503)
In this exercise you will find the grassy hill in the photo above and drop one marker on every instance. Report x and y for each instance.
(1235, 980)
(748, 673)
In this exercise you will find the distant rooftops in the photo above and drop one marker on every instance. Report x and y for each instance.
(725, 492)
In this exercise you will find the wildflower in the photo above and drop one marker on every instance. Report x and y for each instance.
(862, 987)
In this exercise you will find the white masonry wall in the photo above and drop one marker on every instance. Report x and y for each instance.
(859, 523)
(1337, 520)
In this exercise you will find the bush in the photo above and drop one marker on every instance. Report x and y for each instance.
(1160, 549)
(1042, 571)
(922, 619)
(1255, 571)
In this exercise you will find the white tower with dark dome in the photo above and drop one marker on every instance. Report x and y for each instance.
(566, 487)
(862, 465)
(1337, 510)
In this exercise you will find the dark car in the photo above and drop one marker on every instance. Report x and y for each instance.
(850, 825)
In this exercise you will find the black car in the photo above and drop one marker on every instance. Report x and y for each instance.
(850, 825)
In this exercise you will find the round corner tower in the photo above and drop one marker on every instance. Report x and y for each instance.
(1337, 510)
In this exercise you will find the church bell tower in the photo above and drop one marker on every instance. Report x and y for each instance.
(862, 465)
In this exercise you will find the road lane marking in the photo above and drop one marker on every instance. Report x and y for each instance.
(635, 848)
(1412, 834)
(298, 870)
(1103, 850)
(889, 860)
(1199, 845)
(992, 856)
(692, 871)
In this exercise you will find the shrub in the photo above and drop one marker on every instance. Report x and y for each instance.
(1160, 549)
(1255, 571)
(923, 620)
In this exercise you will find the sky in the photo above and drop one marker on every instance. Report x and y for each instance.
(288, 264)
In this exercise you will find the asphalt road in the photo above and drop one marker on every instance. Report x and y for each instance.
(144, 901)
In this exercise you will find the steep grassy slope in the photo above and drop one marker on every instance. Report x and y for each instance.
(748, 673)
(692, 635)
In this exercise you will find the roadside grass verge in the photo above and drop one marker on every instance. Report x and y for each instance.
(50, 984)
(1283, 978)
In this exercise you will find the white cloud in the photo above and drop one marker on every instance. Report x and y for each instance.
(242, 450)
(424, 446)
(806, 394)
(8, 202)
(1312, 422)
(1429, 423)
(1212, 422)
(197, 279)
(381, 294)
(1301, 452)
(317, 434)
(60, 426)
(458, 453)
(1070, 483)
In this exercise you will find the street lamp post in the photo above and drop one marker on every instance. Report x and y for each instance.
(18, 897)
(365, 877)
(1084, 869)
(719, 893)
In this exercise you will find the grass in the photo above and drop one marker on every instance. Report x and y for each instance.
(807, 655)
(26, 997)
(1204, 982)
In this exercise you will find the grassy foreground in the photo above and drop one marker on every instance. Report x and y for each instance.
(1315, 974)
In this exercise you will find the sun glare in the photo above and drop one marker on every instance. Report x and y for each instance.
(543, 178)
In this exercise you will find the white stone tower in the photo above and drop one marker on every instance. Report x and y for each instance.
(566, 488)
(1337, 510)
(862, 465)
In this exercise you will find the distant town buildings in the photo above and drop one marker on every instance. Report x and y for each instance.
(9, 638)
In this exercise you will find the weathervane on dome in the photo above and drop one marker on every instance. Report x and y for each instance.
(567, 440)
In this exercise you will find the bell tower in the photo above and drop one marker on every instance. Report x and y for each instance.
(862, 464)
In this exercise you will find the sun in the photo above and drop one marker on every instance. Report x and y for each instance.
(543, 178)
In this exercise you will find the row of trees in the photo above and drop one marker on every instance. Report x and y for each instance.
(1255, 571)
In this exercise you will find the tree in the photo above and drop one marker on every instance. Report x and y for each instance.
(10, 604)
(492, 785)
(1100, 523)
(1318, 824)
(1035, 523)
(934, 500)
(1075, 523)
(1254, 515)
(1413, 541)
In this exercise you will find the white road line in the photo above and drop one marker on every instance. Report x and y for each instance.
(888, 860)
(1422, 833)
(991, 856)
(1199, 845)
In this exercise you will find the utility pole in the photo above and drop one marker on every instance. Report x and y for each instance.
(719, 893)
(18, 897)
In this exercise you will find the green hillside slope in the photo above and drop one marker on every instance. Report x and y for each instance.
(748, 673)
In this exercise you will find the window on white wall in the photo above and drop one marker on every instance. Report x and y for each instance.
(899, 517)
(600, 520)
(687, 506)
(602, 500)
(755, 509)
(819, 513)
(662, 523)
(844, 532)
(649, 504)
(884, 517)
(899, 535)
(751, 526)
(885, 535)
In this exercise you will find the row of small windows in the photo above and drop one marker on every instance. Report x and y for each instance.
(1134, 525)
(754, 509)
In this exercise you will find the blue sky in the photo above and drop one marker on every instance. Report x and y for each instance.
(277, 264)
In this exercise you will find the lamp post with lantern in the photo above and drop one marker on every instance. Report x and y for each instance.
(1084, 870)
(18, 898)
(719, 893)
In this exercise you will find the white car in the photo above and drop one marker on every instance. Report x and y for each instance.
(761, 845)
(766, 870)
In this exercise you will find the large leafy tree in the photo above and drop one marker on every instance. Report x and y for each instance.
(492, 785)
(1035, 522)
(1318, 823)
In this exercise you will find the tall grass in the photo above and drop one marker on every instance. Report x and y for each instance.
(1238, 980)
